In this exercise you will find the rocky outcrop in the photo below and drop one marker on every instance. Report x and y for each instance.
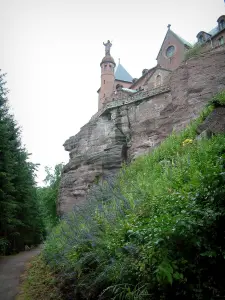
(214, 123)
(122, 133)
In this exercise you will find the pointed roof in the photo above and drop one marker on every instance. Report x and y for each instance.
(183, 41)
(122, 74)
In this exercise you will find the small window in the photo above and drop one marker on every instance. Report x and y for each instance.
(201, 39)
(221, 41)
(170, 51)
(104, 81)
(222, 24)
(158, 80)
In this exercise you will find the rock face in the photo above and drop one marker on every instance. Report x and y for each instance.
(123, 132)
(214, 123)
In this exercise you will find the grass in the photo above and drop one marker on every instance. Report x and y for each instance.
(39, 282)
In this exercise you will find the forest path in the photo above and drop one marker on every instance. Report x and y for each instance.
(11, 268)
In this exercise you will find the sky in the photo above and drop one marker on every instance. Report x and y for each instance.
(51, 51)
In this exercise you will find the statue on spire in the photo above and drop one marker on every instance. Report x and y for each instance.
(107, 45)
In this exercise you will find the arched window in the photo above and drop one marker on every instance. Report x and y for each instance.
(158, 80)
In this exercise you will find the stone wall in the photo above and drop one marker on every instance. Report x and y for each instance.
(123, 131)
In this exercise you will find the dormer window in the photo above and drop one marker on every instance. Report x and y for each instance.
(144, 71)
(119, 86)
(221, 22)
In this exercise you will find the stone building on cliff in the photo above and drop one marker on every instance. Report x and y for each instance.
(117, 83)
(142, 113)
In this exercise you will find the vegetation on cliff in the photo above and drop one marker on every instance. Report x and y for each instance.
(193, 51)
(156, 232)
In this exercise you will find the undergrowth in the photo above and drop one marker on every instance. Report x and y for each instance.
(155, 232)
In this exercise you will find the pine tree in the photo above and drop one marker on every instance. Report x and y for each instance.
(20, 220)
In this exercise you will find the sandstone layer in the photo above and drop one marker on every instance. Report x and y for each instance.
(124, 132)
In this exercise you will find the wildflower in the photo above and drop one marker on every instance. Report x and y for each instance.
(187, 141)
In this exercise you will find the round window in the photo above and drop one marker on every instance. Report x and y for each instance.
(170, 51)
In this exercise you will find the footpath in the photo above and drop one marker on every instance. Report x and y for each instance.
(11, 268)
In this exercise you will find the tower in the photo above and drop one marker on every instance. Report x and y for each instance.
(107, 76)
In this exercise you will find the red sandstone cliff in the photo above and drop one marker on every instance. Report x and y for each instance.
(127, 131)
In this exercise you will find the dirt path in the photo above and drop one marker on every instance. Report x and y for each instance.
(11, 268)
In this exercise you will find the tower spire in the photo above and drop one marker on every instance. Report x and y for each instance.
(107, 76)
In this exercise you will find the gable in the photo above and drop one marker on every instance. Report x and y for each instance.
(180, 40)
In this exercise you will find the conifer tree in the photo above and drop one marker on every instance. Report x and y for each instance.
(20, 220)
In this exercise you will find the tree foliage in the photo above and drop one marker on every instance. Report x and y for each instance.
(48, 196)
(20, 221)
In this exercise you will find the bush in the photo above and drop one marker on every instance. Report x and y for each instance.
(218, 100)
(193, 52)
(156, 232)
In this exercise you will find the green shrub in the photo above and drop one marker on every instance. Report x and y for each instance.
(156, 232)
(193, 52)
(218, 100)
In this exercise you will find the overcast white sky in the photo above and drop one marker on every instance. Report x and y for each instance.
(51, 51)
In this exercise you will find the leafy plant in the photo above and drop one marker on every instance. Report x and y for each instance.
(48, 196)
(218, 100)
(153, 232)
